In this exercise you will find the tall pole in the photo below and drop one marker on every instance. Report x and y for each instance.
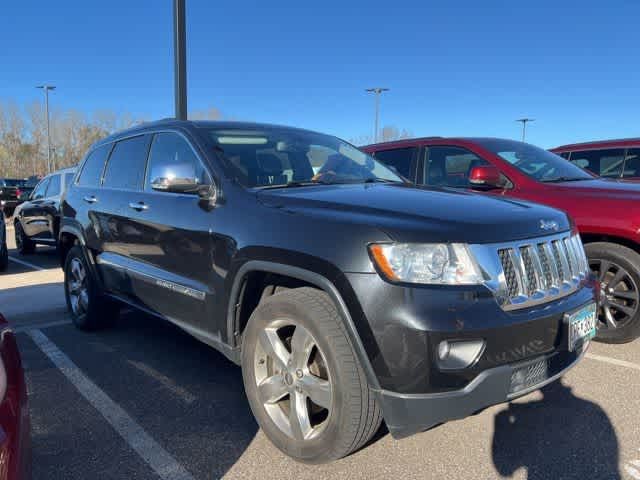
(377, 91)
(46, 89)
(180, 58)
(524, 122)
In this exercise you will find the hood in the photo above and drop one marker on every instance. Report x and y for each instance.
(613, 188)
(419, 214)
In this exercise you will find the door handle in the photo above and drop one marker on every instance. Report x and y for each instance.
(139, 206)
(90, 199)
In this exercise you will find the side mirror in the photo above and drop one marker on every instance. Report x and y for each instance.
(485, 176)
(175, 185)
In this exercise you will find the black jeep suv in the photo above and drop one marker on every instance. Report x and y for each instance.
(346, 294)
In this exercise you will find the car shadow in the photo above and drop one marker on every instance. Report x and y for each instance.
(560, 436)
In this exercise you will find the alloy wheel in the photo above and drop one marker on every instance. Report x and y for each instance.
(293, 380)
(77, 287)
(620, 297)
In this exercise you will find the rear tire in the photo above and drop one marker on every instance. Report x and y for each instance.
(617, 268)
(89, 308)
(24, 244)
(338, 418)
(4, 257)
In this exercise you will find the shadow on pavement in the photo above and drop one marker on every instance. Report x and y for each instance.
(560, 436)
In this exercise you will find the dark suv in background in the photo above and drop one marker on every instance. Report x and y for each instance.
(606, 158)
(346, 295)
(37, 220)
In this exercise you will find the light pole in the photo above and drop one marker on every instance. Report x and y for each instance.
(46, 89)
(377, 91)
(180, 59)
(524, 122)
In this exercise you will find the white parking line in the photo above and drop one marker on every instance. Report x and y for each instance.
(140, 441)
(164, 381)
(26, 264)
(41, 326)
(613, 361)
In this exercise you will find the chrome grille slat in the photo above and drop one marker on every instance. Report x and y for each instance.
(541, 270)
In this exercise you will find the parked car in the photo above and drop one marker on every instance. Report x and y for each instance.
(345, 294)
(605, 211)
(37, 220)
(606, 158)
(10, 191)
(15, 442)
(4, 251)
(28, 185)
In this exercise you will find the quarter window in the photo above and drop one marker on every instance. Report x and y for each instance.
(401, 159)
(68, 180)
(93, 166)
(54, 186)
(606, 163)
(41, 188)
(450, 166)
(632, 163)
(171, 157)
(125, 168)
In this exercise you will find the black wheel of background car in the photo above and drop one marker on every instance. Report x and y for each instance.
(24, 244)
(304, 383)
(617, 269)
(89, 309)
(4, 257)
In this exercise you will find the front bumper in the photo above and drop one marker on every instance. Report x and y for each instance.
(407, 414)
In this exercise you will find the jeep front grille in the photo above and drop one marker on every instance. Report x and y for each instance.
(540, 270)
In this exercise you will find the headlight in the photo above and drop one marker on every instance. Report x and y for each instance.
(432, 263)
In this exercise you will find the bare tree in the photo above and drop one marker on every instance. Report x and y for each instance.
(388, 133)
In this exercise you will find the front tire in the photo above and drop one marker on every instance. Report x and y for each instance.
(304, 383)
(88, 307)
(617, 269)
(24, 244)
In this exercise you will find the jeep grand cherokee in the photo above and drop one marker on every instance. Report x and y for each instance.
(346, 294)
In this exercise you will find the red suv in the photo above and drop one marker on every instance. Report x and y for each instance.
(607, 158)
(605, 211)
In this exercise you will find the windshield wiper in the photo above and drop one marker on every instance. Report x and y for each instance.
(294, 184)
(566, 179)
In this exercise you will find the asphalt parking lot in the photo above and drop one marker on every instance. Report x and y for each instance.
(144, 400)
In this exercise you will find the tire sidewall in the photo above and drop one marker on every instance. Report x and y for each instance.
(630, 261)
(80, 321)
(328, 442)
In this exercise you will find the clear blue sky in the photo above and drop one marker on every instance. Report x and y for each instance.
(454, 67)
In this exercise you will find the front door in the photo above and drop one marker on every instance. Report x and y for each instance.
(169, 241)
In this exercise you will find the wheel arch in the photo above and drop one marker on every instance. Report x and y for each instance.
(308, 277)
(599, 237)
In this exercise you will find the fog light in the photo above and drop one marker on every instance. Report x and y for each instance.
(458, 354)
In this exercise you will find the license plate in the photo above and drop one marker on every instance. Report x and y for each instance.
(582, 325)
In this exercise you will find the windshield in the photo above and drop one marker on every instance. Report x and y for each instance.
(286, 157)
(535, 162)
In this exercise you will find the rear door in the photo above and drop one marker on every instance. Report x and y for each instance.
(169, 243)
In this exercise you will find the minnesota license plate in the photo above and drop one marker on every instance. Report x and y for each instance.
(582, 325)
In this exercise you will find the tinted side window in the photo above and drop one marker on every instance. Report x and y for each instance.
(40, 190)
(606, 163)
(93, 166)
(401, 159)
(172, 157)
(564, 155)
(125, 168)
(450, 166)
(632, 163)
(68, 180)
(54, 186)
